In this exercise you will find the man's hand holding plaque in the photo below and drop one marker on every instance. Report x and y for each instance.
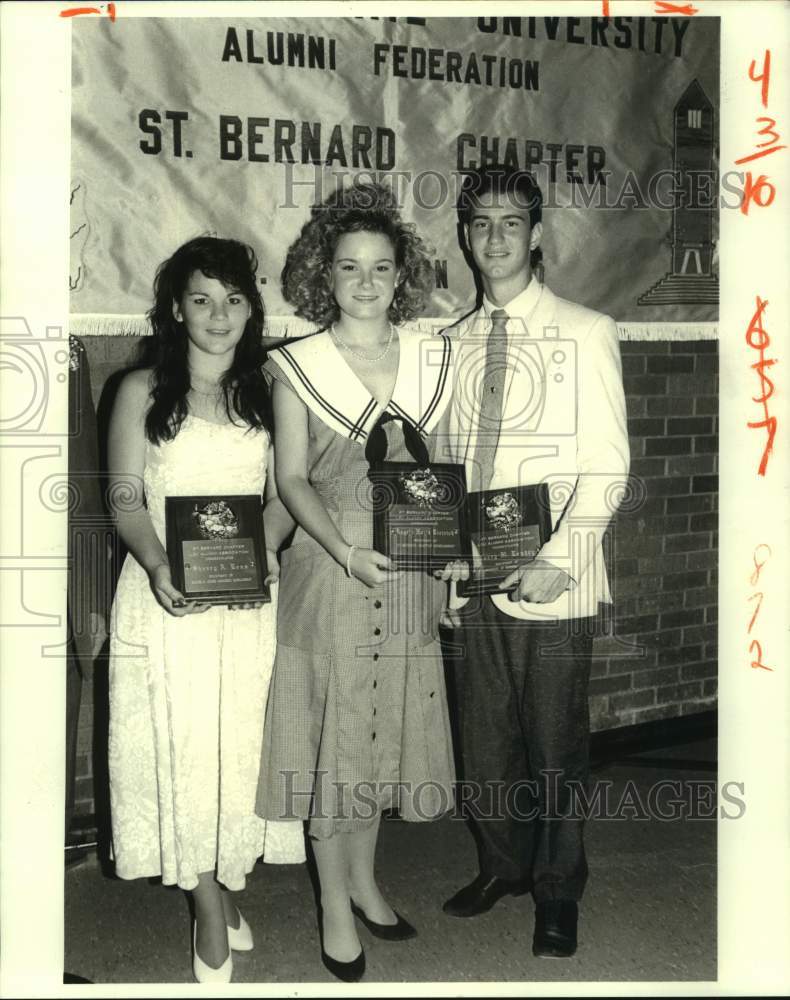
(508, 526)
(539, 582)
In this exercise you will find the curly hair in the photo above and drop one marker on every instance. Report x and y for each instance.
(244, 387)
(362, 208)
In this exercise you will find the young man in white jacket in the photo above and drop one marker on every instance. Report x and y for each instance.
(538, 398)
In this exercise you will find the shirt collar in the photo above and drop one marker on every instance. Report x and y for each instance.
(520, 307)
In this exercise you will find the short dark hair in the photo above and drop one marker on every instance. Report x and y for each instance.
(519, 185)
(497, 179)
(368, 208)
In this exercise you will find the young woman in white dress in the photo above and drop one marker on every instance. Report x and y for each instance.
(188, 681)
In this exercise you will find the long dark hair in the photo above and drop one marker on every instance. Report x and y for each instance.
(244, 387)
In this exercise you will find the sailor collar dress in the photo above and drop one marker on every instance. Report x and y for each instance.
(357, 715)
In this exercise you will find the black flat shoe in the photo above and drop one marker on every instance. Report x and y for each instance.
(401, 931)
(348, 972)
(555, 928)
(479, 896)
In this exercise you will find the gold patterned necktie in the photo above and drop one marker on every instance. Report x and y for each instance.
(492, 389)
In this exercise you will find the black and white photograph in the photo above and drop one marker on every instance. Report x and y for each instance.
(523, 729)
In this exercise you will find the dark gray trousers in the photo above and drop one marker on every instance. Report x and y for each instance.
(524, 732)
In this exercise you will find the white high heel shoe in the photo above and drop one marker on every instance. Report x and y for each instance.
(204, 973)
(240, 938)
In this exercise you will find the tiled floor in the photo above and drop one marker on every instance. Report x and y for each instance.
(649, 912)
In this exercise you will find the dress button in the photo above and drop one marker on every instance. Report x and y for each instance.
(432, 694)
(377, 604)
(375, 684)
(377, 631)
(374, 711)
(374, 736)
(375, 656)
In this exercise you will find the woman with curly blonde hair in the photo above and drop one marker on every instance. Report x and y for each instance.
(357, 716)
(307, 275)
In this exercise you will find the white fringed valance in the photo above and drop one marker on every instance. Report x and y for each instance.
(132, 325)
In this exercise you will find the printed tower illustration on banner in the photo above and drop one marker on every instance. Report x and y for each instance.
(692, 279)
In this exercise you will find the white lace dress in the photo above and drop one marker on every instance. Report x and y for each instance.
(188, 695)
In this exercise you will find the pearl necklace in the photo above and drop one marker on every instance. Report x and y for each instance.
(363, 357)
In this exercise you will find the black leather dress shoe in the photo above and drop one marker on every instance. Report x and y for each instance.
(555, 928)
(400, 931)
(479, 896)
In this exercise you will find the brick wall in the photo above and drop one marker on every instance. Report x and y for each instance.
(83, 788)
(664, 565)
(659, 659)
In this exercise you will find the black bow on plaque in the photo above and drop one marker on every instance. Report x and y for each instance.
(376, 447)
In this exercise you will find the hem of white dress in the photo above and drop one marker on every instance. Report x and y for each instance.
(185, 883)
(188, 883)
